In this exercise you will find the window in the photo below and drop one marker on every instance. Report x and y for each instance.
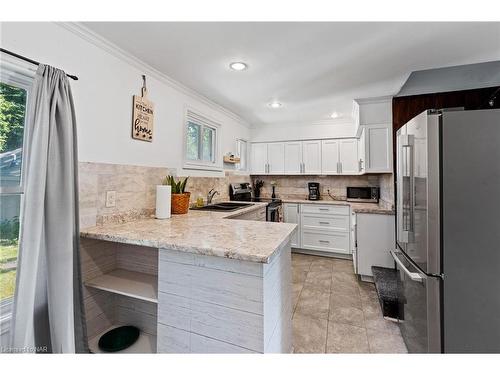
(14, 88)
(242, 153)
(201, 142)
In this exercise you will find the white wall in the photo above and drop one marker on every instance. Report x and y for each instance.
(103, 98)
(269, 133)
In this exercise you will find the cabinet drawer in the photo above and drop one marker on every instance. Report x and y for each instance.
(330, 222)
(337, 242)
(325, 209)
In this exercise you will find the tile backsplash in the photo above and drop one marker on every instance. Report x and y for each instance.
(296, 186)
(135, 188)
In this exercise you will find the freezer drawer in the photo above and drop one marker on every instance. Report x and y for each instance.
(418, 307)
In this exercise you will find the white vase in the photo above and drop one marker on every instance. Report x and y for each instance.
(163, 201)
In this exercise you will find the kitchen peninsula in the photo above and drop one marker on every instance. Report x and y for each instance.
(194, 283)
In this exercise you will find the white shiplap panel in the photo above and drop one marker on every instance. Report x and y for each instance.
(225, 264)
(239, 291)
(137, 258)
(172, 340)
(218, 322)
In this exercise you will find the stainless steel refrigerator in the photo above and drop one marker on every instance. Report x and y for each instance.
(448, 231)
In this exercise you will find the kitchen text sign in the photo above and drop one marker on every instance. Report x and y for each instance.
(142, 118)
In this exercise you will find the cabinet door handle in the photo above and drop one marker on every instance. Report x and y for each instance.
(324, 241)
(324, 209)
(324, 222)
(303, 168)
(340, 167)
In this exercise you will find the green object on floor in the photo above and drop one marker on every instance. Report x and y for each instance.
(119, 338)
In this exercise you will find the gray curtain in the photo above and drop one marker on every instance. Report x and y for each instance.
(48, 311)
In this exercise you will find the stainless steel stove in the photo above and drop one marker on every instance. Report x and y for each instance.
(243, 192)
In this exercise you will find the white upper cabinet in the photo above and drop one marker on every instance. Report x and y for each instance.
(374, 120)
(361, 152)
(276, 158)
(293, 157)
(311, 157)
(348, 156)
(330, 156)
(378, 148)
(340, 156)
(259, 158)
(370, 153)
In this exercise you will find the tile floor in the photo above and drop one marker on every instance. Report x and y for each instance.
(333, 312)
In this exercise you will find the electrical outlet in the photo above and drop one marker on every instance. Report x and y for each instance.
(110, 198)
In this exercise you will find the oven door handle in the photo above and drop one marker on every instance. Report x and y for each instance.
(412, 275)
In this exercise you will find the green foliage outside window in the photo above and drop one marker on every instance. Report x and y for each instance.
(12, 110)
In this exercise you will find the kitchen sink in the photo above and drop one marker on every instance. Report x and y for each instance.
(223, 206)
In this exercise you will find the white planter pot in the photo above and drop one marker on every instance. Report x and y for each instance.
(163, 201)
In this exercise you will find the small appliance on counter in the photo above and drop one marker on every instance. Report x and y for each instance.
(243, 192)
(314, 194)
(363, 194)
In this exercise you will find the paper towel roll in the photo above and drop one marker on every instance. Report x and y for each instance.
(163, 201)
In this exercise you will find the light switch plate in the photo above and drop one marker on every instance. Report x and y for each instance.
(111, 198)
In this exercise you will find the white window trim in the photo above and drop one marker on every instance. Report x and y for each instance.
(204, 120)
(247, 154)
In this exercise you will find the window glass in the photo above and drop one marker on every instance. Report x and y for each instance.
(12, 119)
(208, 144)
(12, 113)
(241, 151)
(9, 234)
(193, 141)
(201, 142)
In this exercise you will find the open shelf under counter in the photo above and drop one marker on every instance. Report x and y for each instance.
(127, 283)
(145, 344)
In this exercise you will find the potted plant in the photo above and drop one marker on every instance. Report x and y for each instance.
(180, 198)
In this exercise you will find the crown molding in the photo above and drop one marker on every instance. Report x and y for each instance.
(337, 122)
(106, 45)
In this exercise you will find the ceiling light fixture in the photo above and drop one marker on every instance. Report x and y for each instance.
(275, 104)
(238, 66)
(334, 115)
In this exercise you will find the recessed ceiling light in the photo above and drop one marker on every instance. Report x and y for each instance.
(275, 104)
(238, 65)
(334, 115)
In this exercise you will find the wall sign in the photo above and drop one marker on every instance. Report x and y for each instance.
(142, 115)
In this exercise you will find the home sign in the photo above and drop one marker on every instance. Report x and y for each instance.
(142, 116)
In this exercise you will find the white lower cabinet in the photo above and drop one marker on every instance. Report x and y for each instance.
(324, 228)
(321, 240)
(291, 213)
(374, 237)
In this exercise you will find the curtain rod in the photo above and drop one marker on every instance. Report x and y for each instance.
(31, 61)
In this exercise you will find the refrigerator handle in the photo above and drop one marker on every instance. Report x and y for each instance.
(409, 161)
(412, 275)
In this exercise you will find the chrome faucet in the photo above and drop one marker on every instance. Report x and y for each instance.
(211, 195)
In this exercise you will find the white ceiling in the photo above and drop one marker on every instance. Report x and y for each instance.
(312, 68)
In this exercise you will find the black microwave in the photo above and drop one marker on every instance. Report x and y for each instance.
(363, 194)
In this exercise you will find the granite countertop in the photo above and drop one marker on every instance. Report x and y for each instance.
(368, 208)
(202, 232)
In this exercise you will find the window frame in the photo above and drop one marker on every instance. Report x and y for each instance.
(204, 121)
(20, 76)
(240, 141)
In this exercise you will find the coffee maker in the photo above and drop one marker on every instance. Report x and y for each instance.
(313, 191)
